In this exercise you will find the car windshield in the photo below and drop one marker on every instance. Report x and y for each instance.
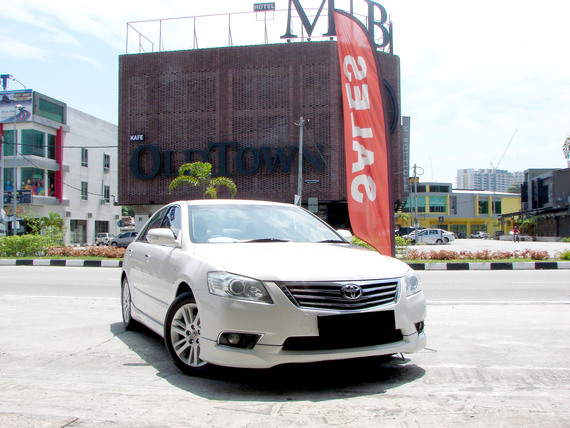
(257, 223)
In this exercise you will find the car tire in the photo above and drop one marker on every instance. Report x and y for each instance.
(439, 242)
(446, 240)
(413, 242)
(126, 306)
(114, 244)
(182, 335)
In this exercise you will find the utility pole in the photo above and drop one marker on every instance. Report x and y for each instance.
(15, 184)
(299, 195)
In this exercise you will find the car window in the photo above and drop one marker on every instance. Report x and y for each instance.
(154, 222)
(231, 223)
(172, 220)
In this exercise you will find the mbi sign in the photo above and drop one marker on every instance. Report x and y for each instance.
(376, 14)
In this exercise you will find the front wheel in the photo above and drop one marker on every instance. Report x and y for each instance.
(439, 242)
(182, 335)
(126, 305)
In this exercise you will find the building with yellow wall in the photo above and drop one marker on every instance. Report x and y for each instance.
(461, 211)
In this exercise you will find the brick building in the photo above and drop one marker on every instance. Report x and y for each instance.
(238, 108)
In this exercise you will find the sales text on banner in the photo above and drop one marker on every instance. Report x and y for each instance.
(366, 144)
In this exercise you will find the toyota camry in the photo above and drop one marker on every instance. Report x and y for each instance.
(256, 284)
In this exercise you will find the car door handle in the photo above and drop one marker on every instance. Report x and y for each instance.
(147, 256)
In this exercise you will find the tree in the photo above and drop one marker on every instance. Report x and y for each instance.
(515, 188)
(199, 174)
(127, 211)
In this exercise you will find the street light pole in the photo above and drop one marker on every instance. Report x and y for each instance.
(299, 198)
(15, 184)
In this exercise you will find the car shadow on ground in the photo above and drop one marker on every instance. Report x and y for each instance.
(290, 382)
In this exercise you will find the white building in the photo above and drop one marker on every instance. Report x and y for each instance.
(493, 180)
(62, 161)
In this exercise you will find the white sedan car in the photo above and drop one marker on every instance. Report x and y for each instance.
(256, 284)
(431, 236)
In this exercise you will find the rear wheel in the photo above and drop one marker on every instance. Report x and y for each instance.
(182, 335)
(446, 240)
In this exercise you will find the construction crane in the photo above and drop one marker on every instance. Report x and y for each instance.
(495, 167)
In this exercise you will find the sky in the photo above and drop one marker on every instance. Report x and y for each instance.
(486, 83)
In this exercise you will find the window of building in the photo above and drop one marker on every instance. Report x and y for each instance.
(409, 206)
(497, 207)
(84, 157)
(437, 204)
(8, 143)
(107, 193)
(51, 146)
(32, 143)
(106, 162)
(33, 179)
(483, 207)
(421, 188)
(77, 231)
(83, 190)
(50, 183)
(436, 188)
(101, 227)
(9, 180)
(50, 110)
(453, 205)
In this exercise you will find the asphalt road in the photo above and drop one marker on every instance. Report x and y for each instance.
(497, 356)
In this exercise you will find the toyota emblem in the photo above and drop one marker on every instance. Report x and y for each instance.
(351, 292)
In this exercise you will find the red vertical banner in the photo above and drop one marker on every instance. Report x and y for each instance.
(366, 143)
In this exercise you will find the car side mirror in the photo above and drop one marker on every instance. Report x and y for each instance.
(162, 236)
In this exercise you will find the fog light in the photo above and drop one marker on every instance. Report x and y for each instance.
(420, 327)
(239, 340)
(233, 338)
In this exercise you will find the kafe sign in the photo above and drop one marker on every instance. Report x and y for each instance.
(377, 19)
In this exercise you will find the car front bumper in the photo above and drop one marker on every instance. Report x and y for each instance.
(282, 321)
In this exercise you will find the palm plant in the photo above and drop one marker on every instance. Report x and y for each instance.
(199, 174)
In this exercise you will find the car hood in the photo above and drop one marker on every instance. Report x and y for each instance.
(273, 261)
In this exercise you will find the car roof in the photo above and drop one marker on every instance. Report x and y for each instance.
(231, 202)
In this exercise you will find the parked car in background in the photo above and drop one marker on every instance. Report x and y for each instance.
(103, 238)
(431, 236)
(256, 284)
(479, 235)
(406, 230)
(123, 240)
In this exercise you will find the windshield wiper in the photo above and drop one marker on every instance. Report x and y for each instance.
(265, 240)
(332, 241)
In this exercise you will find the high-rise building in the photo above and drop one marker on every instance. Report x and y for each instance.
(494, 180)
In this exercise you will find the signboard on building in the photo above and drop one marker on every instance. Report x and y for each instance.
(16, 106)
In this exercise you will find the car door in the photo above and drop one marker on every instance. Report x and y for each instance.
(137, 264)
(163, 266)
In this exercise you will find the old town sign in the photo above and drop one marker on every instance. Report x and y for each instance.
(148, 161)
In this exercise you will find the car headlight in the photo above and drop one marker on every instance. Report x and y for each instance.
(238, 287)
(412, 281)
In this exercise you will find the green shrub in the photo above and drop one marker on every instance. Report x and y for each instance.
(567, 239)
(565, 255)
(24, 245)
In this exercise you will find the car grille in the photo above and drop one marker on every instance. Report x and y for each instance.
(329, 295)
